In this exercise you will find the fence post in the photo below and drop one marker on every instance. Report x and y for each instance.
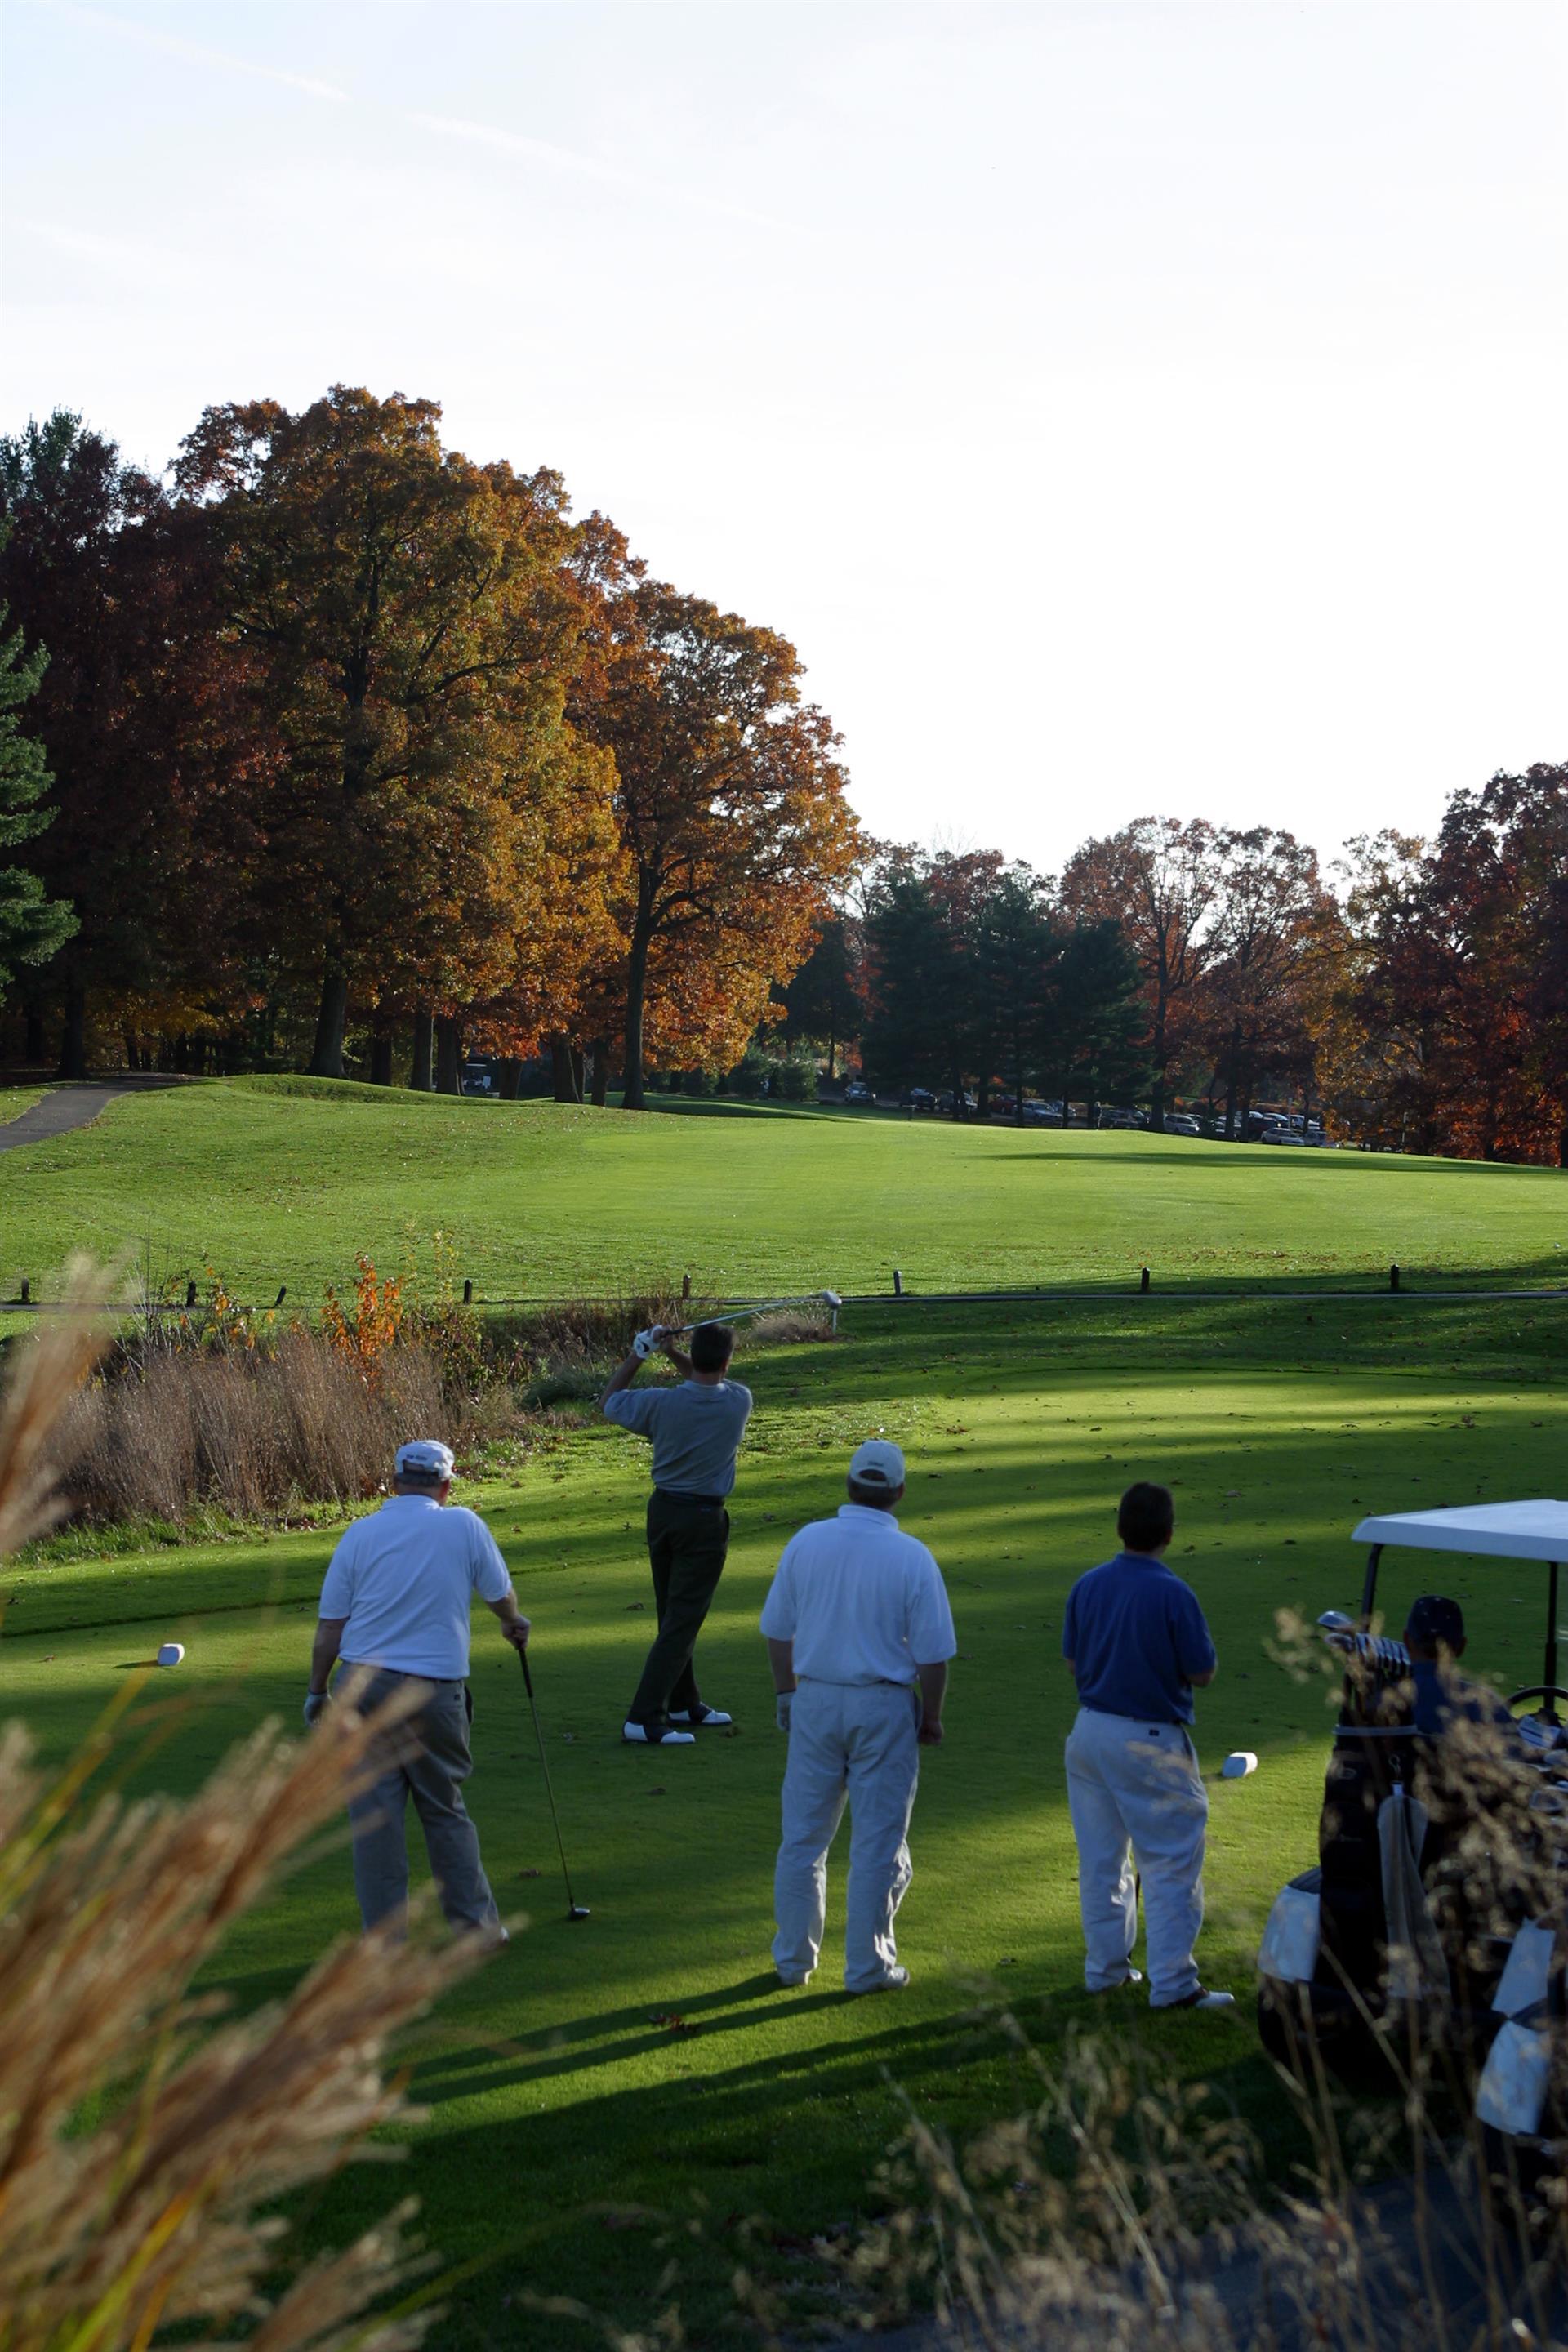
(686, 1286)
(190, 1294)
(1143, 1278)
(27, 1292)
(282, 1295)
(898, 1284)
(467, 1293)
(1393, 1278)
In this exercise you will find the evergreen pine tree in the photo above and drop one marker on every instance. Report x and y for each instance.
(32, 926)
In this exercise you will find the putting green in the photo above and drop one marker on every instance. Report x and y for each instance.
(610, 2098)
(283, 1181)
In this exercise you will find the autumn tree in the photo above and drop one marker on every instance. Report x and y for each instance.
(1157, 879)
(731, 809)
(1253, 1009)
(417, 628)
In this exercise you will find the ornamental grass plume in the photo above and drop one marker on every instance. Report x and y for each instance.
(150, 2219)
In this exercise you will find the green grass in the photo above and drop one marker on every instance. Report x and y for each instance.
(556, 2095)
(282, 1180)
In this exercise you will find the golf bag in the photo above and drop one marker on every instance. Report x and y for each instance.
(1397, 1940)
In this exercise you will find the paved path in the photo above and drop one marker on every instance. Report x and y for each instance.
(74, 1104)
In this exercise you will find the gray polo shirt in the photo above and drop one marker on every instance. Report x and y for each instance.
(695, 1431)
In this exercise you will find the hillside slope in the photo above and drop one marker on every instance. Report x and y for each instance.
(274, 1181)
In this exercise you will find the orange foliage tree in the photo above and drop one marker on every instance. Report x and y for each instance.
(417, 628)
(733, 820)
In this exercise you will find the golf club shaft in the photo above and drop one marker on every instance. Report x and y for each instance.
(545, 1767)
(744, 1314)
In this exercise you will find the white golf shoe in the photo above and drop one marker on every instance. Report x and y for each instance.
(705, 1718)
(1201, 1999)
(639, 1736)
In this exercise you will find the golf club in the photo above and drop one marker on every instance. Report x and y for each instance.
(574, 1910)
(828, 1299)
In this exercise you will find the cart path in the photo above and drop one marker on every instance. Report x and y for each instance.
(76, 1103)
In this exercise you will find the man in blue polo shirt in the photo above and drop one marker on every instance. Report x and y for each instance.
(1136, 1643)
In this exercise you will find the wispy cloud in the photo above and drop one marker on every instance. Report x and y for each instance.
(129, 28)
(125, 260)
(572, 161)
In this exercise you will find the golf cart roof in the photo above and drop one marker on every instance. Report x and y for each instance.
(1536, 1530)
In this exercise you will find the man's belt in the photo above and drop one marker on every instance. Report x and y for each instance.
(676, 1495)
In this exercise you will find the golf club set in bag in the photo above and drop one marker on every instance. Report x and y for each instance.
(643, 1345)
(1436, 1909)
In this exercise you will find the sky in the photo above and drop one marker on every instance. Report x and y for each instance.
(1123, 408)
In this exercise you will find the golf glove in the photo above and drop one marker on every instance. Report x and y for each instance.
(316, 1705)
(785, 1699)
(646, 1342)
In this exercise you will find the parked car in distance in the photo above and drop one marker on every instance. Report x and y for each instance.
(950, 1106)
(1110, 1117)
(1181, 1122)
(857, 1091)
(1042, 1114)
(917, 1099)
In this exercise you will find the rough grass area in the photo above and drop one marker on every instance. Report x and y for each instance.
(624, 2110)
(284, 1180)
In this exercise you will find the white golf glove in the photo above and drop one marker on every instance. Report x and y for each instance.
(785, 1700)
(316, 1704)
(646, 1344)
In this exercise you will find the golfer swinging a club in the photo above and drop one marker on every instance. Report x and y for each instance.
(696, 1427)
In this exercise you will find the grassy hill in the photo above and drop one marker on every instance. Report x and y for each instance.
(284, 1180)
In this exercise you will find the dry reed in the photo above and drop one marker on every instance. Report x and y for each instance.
(147, 2220)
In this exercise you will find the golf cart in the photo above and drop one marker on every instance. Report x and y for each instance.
(1436, 1907)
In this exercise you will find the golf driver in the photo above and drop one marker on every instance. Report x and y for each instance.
(828, 1299)
(574, 1910)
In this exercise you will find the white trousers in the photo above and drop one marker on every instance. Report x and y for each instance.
(859, 1742)
(1134, 1785)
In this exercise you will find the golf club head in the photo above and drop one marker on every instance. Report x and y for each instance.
(578, 1911)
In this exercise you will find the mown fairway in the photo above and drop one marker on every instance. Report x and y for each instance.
(271, 1181)
(579, 2142)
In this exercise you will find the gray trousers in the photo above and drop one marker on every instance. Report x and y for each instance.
(426, 1756)
(859, 1742)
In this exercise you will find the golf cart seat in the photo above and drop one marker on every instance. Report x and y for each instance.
(1485, 1864)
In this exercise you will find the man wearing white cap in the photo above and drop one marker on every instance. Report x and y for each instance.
(859, 1634)
(396, 1604)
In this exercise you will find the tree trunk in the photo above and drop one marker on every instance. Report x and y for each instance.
(421, 1070)
(510, 1078)
(564, 1070)
(633, 1097)
(449, 1055)
(579, 1075)
(36, 1045)
(331, 1018)
(1157, 1091)
(73, 1034)
(601, 1071)
(381, 1056)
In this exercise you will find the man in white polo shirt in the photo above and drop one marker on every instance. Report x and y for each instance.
(395, 1604)
(859, 1634)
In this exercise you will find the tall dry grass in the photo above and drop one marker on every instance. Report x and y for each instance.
(155, 2217)
(253, 1434)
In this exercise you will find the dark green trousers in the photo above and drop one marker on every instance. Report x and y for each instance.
(687, 1542)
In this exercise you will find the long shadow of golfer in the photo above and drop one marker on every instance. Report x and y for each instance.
(832, 2064)
(563, 2055)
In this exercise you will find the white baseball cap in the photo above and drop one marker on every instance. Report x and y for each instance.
(877, 1463)
(426, 1458)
